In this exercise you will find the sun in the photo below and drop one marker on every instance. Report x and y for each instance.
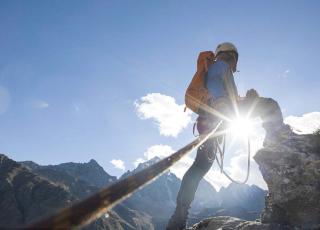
(241, 127)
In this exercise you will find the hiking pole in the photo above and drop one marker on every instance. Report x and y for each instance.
(91, 208)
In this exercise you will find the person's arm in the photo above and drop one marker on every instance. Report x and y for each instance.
(215, 80)
(230, 86)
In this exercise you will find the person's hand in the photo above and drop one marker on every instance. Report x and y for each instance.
(252, 93)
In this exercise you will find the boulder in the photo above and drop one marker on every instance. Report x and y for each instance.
(291, 170)
(233, 223)
(290, 165)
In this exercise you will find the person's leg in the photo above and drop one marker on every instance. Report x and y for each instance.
(203, 162)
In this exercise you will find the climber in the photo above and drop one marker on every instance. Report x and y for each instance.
(221, 97)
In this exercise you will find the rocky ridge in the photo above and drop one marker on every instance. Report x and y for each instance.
(26, 196)
(292, 171)
(91, 173)
(291, 168)
(26, 193)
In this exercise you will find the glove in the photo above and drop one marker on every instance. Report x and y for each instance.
(252, 93)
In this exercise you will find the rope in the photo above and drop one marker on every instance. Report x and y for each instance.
(222, 158)
(91, 208)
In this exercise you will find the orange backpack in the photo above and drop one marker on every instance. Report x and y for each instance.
(197, 94)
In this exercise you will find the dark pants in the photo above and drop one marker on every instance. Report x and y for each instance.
(267, 109)
(201, 165)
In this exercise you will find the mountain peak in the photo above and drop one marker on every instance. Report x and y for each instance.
(148, 163)
(141, 166)
(93, 162)
(30, 165)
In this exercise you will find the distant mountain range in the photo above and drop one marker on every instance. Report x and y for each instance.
(29, 191)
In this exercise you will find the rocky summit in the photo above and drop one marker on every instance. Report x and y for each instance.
(291, 168)
(292, 172)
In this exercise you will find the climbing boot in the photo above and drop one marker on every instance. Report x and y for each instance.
(178, 221)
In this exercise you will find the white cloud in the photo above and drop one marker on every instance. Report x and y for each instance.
(163, 151)
(160, 151)
(216, 178)
(181, 167)
(119, 164)
(169, 116)
(238, 170)
(40, 104)
(4, 99)
(306, 124)
(138, 161)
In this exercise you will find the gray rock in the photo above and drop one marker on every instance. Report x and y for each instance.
(232, 223)
(291, 170)
(290, 165)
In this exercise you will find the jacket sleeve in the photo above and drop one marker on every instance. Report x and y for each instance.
(215, 80)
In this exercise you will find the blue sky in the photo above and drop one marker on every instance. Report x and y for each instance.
(71, 71)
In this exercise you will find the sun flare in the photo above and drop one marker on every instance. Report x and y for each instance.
(241, 127)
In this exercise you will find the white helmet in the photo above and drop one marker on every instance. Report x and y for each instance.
(226, 46)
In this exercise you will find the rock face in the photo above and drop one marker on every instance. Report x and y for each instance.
(291, 168)
(25, 196)
(292, 172)
(233, 223)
